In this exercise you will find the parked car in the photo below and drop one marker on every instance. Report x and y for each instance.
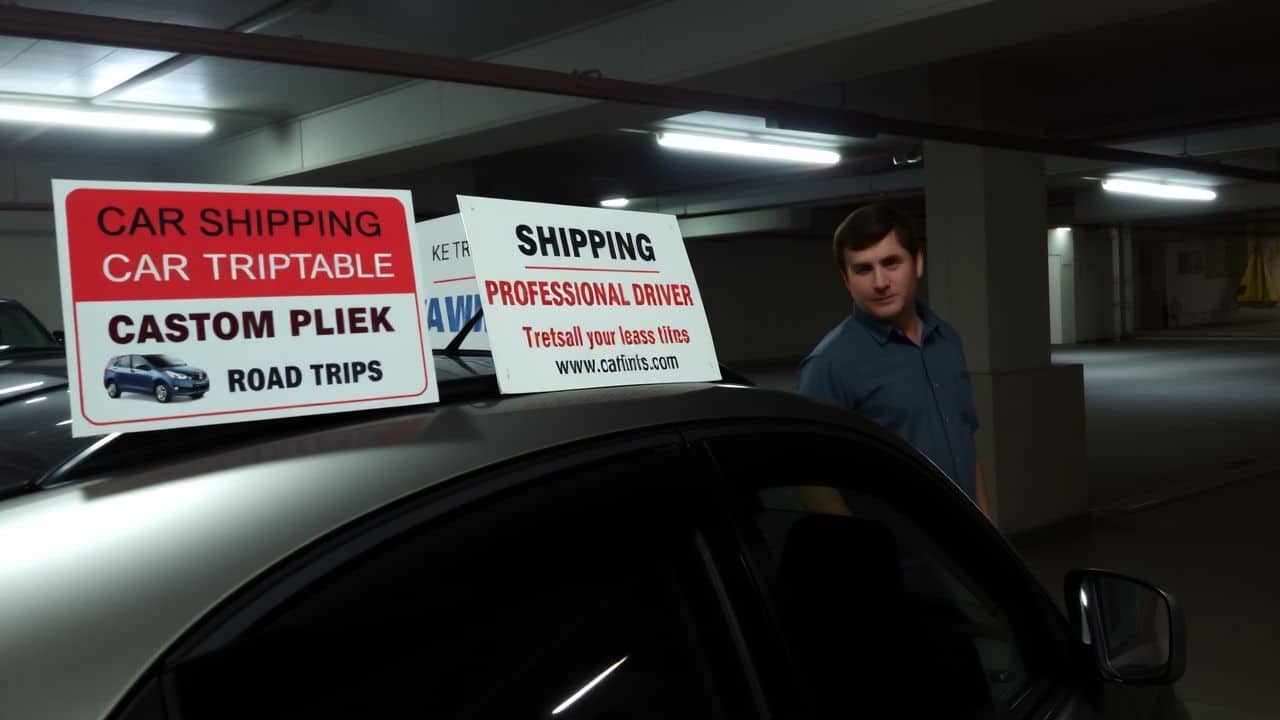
(161, 376)
(671, 551)
(22, 331)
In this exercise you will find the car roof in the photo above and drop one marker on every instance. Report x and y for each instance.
(38, 450)
(102, 575)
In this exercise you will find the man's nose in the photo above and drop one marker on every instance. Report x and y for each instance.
(880, 278)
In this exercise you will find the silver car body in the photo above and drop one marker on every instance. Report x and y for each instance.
(100, 577)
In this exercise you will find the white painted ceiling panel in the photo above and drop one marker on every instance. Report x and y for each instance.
(60, 5)
(242, 94)
(10, 47)
(56, 57)
(455, 29)
(109, 72)
(202, 13)
(258, 88)
(175, 91)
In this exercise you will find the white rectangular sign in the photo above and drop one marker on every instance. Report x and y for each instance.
(450, 279)
(583, 297)
(200, 304)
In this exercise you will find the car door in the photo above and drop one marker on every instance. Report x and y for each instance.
(888, 591)
(574, 585)
(133, 375)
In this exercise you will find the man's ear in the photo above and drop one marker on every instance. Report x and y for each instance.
(919, 264)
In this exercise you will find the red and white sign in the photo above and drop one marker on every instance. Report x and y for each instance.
(450, 278)
(584, 297)
(200, 304)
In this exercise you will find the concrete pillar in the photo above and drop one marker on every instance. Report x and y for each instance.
(1127, 278)
(1062, 298)
(985, 258)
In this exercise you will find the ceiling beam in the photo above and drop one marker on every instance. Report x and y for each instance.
(120, 32)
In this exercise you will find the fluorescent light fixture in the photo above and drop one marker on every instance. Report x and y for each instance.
(1063, 228)
(104, 120)
(617, 202)
(748, 148)
(587, 688)
(1158, 190)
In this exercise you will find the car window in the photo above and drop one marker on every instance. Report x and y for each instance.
(20, 328)
(582, 597)
(875, 592)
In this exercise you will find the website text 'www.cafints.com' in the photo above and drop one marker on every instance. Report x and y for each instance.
(621, 363)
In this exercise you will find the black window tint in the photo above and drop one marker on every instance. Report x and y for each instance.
(19, 328)
(881, 584)
(582, 598)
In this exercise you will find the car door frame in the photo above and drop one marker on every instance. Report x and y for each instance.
(135, 375)
(1056, 696)
(261, 595)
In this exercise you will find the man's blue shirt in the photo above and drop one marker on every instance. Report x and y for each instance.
(921, 393)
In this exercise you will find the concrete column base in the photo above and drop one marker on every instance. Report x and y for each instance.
(1032, 445)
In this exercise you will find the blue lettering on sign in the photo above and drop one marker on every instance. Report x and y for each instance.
(457, 310)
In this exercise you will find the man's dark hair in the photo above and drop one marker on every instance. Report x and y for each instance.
(867, 226)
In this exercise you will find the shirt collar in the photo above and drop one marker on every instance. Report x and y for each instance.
(883, 331)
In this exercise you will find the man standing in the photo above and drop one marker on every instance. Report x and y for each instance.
(893, 360)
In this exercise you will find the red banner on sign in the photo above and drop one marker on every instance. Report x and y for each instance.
(161, 245)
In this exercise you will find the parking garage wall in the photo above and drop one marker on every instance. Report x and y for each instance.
(1095, 281)
(1194, 278)
(769, 299)
(29, 263)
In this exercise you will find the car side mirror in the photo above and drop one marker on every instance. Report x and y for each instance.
(1137, 631)
(60, 337)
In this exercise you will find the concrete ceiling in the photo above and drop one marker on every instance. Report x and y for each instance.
(1178, 77)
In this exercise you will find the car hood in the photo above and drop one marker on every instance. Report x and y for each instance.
(184, 369)
(33, 371)
(35, 420)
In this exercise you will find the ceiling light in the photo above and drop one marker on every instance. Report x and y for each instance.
(617, 202)
(1063, 228)
(748, 148)
(105, 120)
(1158, 190)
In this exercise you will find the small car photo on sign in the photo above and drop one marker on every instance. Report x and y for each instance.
(161, 376)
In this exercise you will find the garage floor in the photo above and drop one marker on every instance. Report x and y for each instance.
(1184, 463)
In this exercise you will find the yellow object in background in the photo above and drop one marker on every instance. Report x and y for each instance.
(1258, 286)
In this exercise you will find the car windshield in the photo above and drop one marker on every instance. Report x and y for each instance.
(19, 328)
(163, 361)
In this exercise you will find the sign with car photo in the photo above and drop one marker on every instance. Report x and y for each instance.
(586, 297)
(199, 304)
(453, 297)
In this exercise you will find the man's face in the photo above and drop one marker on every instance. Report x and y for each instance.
(882, 278)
